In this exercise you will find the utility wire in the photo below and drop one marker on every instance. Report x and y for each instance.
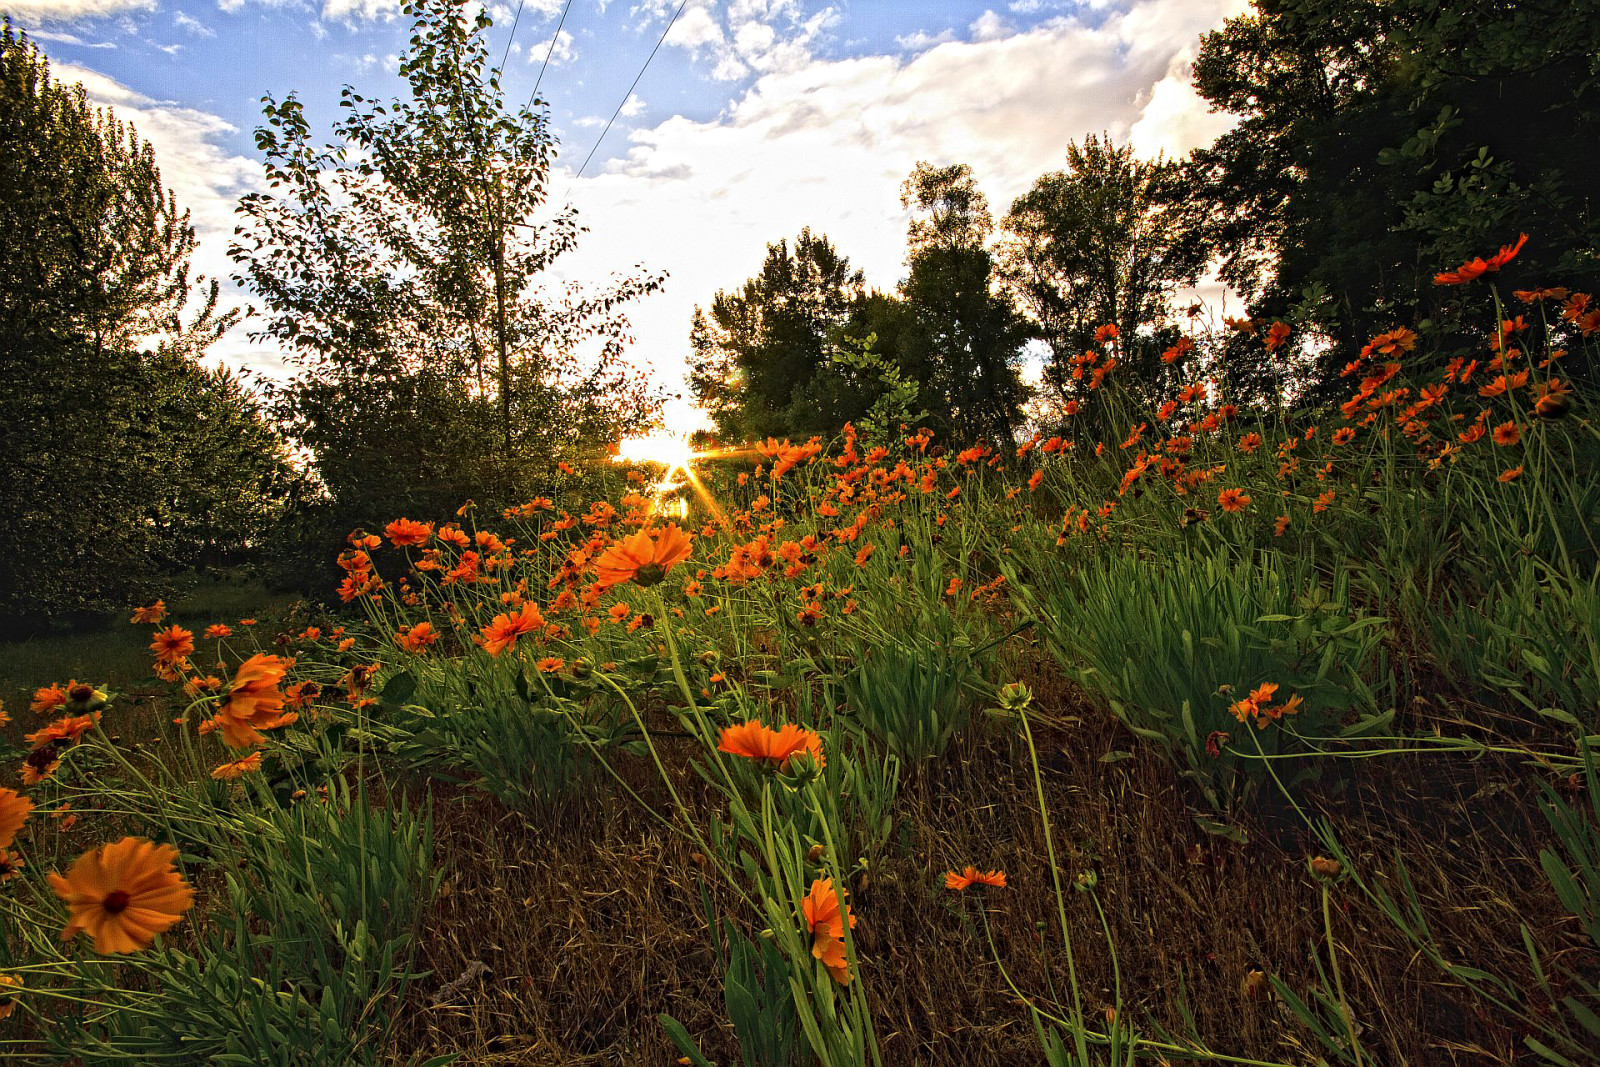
(629, 94)
(518, 18)
(554, 37)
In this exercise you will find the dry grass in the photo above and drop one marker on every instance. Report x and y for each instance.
(592, 923)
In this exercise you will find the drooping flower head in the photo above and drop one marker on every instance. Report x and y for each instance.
(821, 909)
(123, 894)
(254, 701)
(151, 613)
(405, 533)
(754, 741)
(14, 809)
(503, 632)
(239, 767)
(971, 876)
(643, 558)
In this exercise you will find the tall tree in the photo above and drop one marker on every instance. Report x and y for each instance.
(964, 344)
(404, 266)
(1381, 141)
(1100, 243)
(761, 355)
(125, 459)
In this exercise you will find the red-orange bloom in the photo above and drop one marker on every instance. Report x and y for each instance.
(172, 644)
(417, 639)
(1234, 500)
(755, 741)
(821, 908)
(503, 632)
(50, 697)
(238, 767)
(14, 808)
(124, 894)
(254, 703)
(642, 559)
(1507, 434)
(67, 729)
(151, 613)
(405, 533)
(971, 876)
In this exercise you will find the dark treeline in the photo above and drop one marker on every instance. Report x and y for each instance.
(1378, 143)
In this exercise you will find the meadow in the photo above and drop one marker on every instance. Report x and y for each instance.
(1191, 735)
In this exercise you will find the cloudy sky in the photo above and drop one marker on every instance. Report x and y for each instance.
(755, 118)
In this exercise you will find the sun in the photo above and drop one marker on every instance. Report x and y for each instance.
(665, 450)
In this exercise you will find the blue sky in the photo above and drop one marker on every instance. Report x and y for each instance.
(755, 118)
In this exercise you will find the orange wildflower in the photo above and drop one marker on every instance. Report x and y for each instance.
(755, 741)
(822, 914)
(503, 632)
(1511, 475)
(1507, 434)
(124, 894)
(971, 876)
(151, 613)
(254, 701)
(417, 639)
(71, 728)
(406, 533)
(239, 767)
(1234, 500)
(219, 629)
(172, 644)
(50, 697)
(642, 559)
(14, 809)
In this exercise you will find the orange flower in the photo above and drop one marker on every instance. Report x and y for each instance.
(1277, 335)
(1507, 434)
(618, 612)
(151, 613)
(14, 808)
(123, 894)
(503, 632)
(550, 664)
(1280, 525)
(864, 554)
(642, 559)
(67, 729)
(219, 629)
(1511, 475)
(172, 644)
(40, 765)
(417, 639)
(403, 533)
(1234, 500)
(48, 698)
(821, 909)
(1478, 266)
(254, 701)
(9, 983)
(971, 876)
(755, 741)
(238, 767)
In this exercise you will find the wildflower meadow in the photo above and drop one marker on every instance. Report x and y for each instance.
(1225, 739)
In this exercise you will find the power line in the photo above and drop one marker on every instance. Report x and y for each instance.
(518, 18)
(629, 94)
(554, 37)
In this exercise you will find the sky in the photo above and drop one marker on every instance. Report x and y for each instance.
(755, 117)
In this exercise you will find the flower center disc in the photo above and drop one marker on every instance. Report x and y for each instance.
(115, 901)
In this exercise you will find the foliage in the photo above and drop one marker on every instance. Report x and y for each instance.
(1099, 243)
(126, 459)
(1377, 140)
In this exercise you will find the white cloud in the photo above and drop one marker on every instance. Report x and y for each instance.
(826, 144)
(632, 107)
(764, 36)
(72, 10)
(193, 25)
(68, 38)
(921, 41)
(204, 177)
(563, 49)
(989, 27)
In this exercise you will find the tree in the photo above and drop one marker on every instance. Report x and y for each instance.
(964, 344)
(402, 265)
(1381, 141)
(1100, 243)
(125, 460)
(760, 363)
